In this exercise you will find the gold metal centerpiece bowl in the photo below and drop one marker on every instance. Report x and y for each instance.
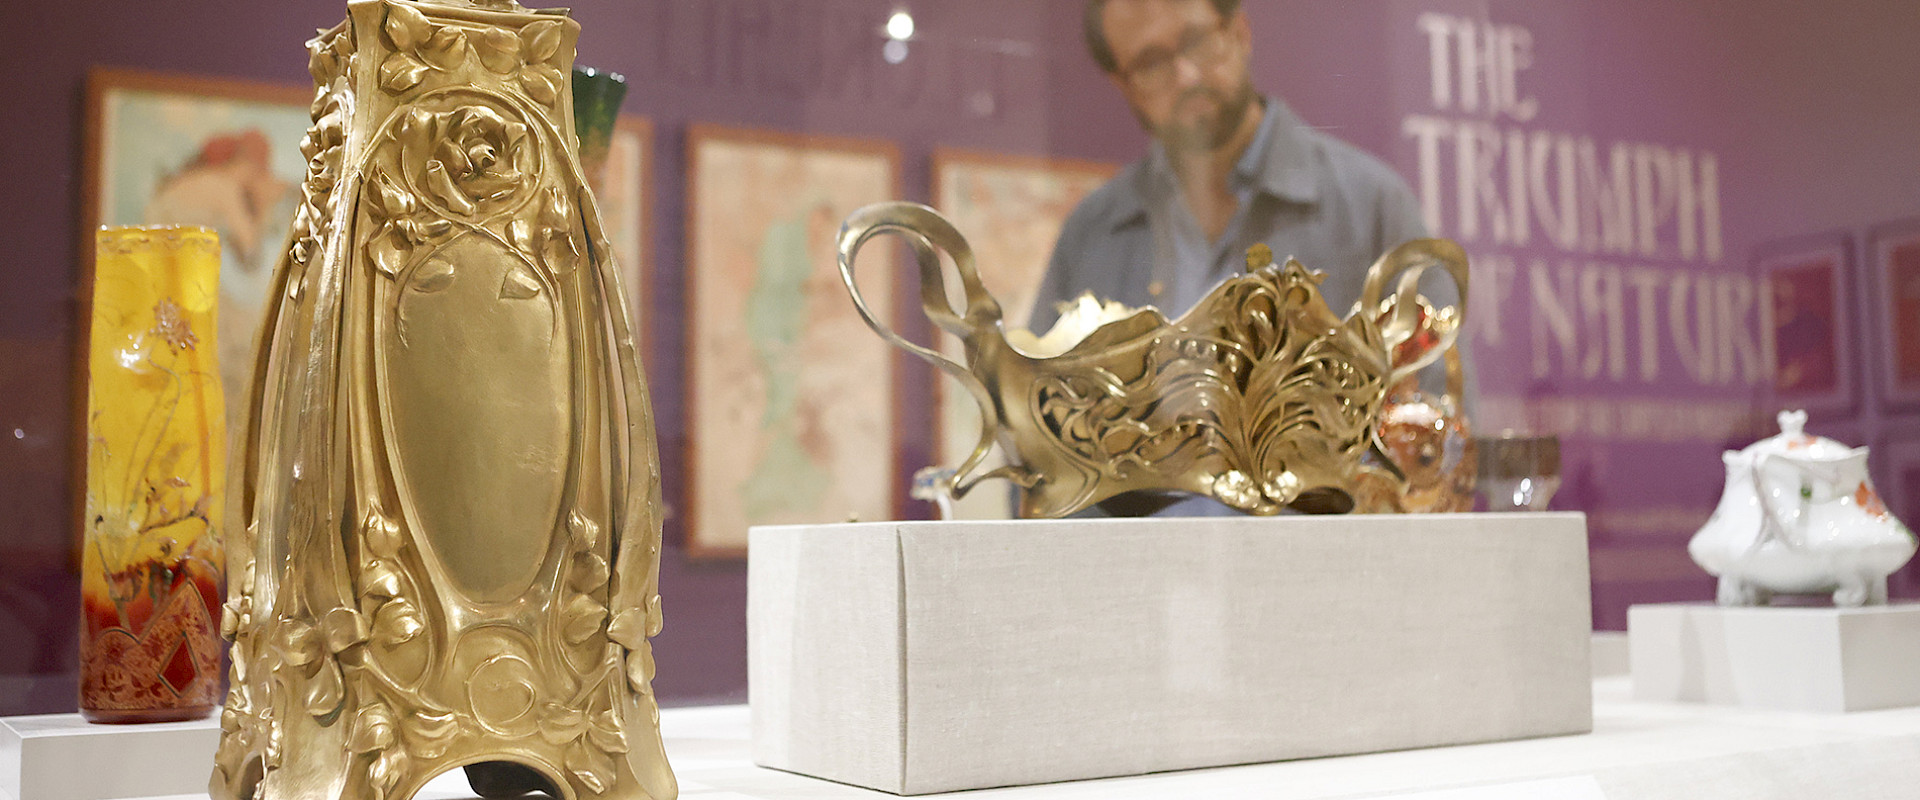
(1260, 396)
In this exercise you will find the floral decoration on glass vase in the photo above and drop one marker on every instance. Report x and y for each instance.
(151, 555)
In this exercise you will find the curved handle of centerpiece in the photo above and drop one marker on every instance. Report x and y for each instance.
(929, 233)
(1408, 263)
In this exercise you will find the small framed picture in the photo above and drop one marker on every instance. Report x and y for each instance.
(1011, 209)
(1893, 259)
(1900, 483)
(1897, 474)
(1807, 331)
(621, 188)
(791, 412)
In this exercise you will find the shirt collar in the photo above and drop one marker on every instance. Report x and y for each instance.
(1279, 161)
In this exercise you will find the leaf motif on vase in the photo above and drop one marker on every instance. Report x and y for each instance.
(401, 72)
(583, 618)
(397, 622)
(541, 41)
(590, 572)
(372, 730)
(592, 767)
(325, 690)
(344, 628)
(447, 49)
(629, 628)
(406, 27)
(499, 50)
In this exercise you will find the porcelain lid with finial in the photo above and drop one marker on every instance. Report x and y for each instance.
(1793, 439)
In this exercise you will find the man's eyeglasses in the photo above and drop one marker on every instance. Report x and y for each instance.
(1158, 68)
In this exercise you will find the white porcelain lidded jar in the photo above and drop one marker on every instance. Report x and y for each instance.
(1799, 515)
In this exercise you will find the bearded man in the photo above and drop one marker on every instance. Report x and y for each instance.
(1227, 168)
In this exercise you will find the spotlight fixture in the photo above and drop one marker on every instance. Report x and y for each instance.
(900, 25)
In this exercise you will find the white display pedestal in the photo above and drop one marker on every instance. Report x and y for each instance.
(64, 757)
(1795, 659)
(919, 657)
(1610, 654)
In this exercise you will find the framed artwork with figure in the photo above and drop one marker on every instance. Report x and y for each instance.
(1011, 209)
(1893, 255)
(1807, 331)
(164, 149)
(790, 397)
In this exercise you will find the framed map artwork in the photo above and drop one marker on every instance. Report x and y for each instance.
(1011, 209)
(790, 400)
(176, 150)
(620, 187)
(1893, 254)
(1806, 327)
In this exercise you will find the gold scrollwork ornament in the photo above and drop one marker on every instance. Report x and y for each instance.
(447, 493)
(1259, 397)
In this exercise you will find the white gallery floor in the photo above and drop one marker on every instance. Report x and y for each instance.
(1638, 751)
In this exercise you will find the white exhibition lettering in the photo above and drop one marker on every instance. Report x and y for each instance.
(1631, 223)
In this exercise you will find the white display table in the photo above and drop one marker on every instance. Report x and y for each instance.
(1638, 751)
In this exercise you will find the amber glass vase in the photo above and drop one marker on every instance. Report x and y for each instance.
(150, 645)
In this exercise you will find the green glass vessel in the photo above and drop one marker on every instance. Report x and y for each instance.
(596, 105)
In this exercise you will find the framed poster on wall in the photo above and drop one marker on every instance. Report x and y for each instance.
(1011, 209)
(790, 397)
(1893, 258)
(621, 188)
(165, 149)
(1806, 313)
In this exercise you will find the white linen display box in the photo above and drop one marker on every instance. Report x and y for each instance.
(1819, 659)
(65, 757)
(920, 657)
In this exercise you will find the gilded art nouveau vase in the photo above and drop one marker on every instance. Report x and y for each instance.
(447, 529)
(151, 556)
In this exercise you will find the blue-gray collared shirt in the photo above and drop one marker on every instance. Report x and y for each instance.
(1302, 192)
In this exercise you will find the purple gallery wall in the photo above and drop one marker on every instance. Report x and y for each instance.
(1807, 110)
(1797, 121)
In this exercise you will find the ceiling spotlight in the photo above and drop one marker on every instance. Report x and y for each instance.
(900, 26)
